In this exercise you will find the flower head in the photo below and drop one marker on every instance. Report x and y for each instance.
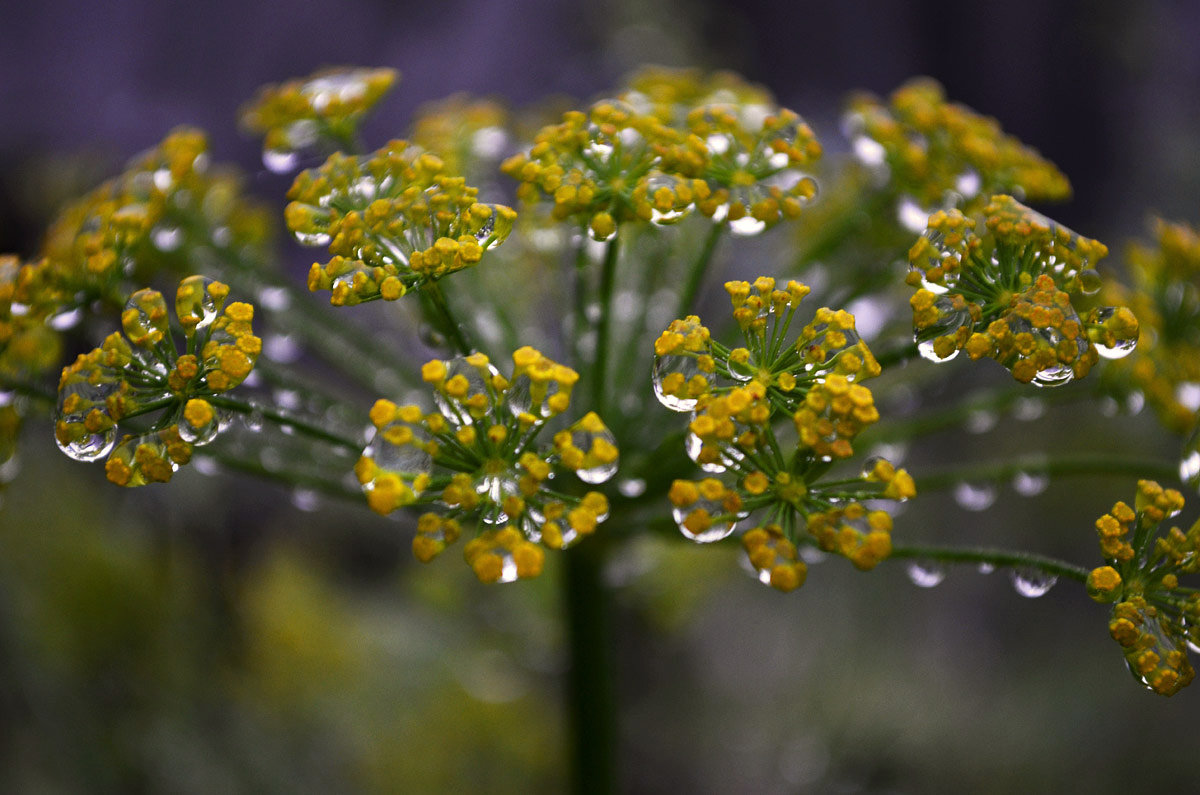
(325, 107)
(1165, 296)
(147, 371)
(479, 459)
(770, 469)
(1003, 286)
(469, 135)
(393, 220)
(945, 154)
(1154, 618)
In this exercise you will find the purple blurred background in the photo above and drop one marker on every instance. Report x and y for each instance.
(1108, 90)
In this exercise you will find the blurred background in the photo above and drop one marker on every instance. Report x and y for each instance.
(222, 635)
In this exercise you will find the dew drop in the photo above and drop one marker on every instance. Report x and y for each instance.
(1029, 484)
(980, 421)
(869, 151)
(1119, 351)
(282, 348)
(10, 469)
(1027, 409)
(1089, 281)
(632, 487)
(719, 529)
(925, 348)
(90, 447)
(911, 215)
(1031, 582)
(747, 226)
(275, 299)
(972, 497)
(166, 238)
(306, 500)
(677, 368)
(1057, 375)
(204, 434)
(926, 573)
(311, 238)
(986, 568)
(280, 161)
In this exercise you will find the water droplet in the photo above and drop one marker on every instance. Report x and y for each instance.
(719, 529)
(1090, 281)
(205, 465)
(911, 215)
(986, 568)
(456, 409)
(1120, 350)
(90, 446)
(275, 299)
(972, 497)
(286, 399)
(632, 487)
(311, 238)
(1056, 375)
(926, 573)
(869, 151)
(747, 226)
(710, 460)
(678, 382)
(1027, 409)
(306, 500)
(280, 161)
(281, 348)
(968, 183)
(925, 348)
(10, 469)
(1029, 484)
(1189, 463)
(1031, 582)
(980, 421)
(1187, 394)
(204, 434)
(66, 319)
(166, 238)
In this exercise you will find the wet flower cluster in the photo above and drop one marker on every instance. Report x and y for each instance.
(169, 210)
(772, 416)
(394, 220)
(1002, 285)
(1164, 293)
(324, 108)
(1154, 618)
(469, 135)
(147, 371)
(480, 458)
(673, 143)
(942, 154)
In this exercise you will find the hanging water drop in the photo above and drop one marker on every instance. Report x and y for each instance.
(747, 226)
(1030, 582)
(1029, 484)
(280, 161)
(926, 573)
(974, 497)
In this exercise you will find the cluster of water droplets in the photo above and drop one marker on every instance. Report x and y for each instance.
(1028, 581)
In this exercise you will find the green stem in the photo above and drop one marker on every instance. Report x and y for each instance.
(437, 312)
(287, 478)
(608, 278)
(695, 278)
(280, 418)
(897, 356)
(1057, 466)
(996, 557)
(591, 700)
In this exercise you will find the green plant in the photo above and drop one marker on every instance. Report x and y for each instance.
(596, 289)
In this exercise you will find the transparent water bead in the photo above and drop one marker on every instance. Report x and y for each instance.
(404, 459)
(494, 488)
(1030, 484)
(280, 161)
(710, 460)
(1189, 463)
(91, 446)
(205, 433)
(477, 394)
(974, 497)
(166, 238)
(679, 382)
(599, 447)
(195, 305)
(926, 349)
(1121, 348)
(1030, 582)
(747, 226)
(311, 238)
(719, 529)
(926, 573)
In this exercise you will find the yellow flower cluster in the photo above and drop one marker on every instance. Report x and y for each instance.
(941, 153)
(1002, 288)
(325, 107)
(1154, 618)
(1165, 296)
(393, 220)
(478, 458)
(143, 370)
(672, 143)
(816, 380)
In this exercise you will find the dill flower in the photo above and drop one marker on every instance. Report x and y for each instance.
(603, 167)
(324, 108)
(394, 220)
(147, 370)
(1001, 286)
(170, 209)
(772, 470)
(941, 154)
(478, 459)
(1154, 618)
(1165, 296)
(469, 135)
